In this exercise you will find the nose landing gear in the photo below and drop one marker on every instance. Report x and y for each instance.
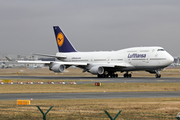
(158, 75)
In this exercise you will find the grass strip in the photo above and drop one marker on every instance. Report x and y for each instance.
(89, 109)
(90, 87)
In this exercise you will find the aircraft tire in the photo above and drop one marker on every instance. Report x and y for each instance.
(99, 76)
(127, 75)
(158, 76)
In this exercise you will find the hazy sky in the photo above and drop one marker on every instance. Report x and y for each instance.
(26, 26)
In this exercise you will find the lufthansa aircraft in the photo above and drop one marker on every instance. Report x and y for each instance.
(107, 63)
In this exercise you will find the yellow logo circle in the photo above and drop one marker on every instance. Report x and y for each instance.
(60, 39)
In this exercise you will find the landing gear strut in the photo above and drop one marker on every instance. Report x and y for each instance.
(126, 75)
(158, 75)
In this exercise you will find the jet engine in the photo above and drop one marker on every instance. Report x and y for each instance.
(96, 70)
(57, 68)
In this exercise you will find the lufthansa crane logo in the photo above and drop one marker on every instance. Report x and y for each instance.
(60, 39)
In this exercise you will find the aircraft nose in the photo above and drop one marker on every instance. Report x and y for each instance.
(170, 59)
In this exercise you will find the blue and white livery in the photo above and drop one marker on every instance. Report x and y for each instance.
(107, 63)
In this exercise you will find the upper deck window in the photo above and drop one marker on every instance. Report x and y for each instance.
(160, 50)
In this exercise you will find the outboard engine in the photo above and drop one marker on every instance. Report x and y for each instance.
(57, 68)
(97, 70)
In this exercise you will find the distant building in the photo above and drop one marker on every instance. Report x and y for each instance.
(18, 57)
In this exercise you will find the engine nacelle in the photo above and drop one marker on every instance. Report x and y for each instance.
(97, 70)
(57, 68)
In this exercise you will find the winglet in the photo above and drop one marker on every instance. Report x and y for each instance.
(63, 43)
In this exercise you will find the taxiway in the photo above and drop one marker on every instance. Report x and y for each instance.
(102, 95)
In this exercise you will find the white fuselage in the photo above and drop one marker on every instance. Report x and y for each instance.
(140, 58)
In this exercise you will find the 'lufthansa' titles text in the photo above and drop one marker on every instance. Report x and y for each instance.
(135, 55)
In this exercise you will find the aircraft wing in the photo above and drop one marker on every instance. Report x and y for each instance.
(47, 55)
(77, 63)
(49, 62)
(4, 61)
(125, 65)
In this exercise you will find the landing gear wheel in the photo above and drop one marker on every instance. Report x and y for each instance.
(99, 76)
(112, 75)
(102, 76)
(106, 75)
(158, 76)
(127, 75)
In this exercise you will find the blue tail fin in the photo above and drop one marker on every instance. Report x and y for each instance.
(63, 43)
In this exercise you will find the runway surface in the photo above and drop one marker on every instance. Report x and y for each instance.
(102, 95)
(102, 80)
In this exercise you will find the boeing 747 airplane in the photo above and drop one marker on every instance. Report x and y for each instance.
(106, 63)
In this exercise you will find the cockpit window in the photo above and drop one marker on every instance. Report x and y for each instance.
(160, 50)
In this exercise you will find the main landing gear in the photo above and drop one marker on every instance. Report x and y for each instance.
(112, 75)
(126, 75)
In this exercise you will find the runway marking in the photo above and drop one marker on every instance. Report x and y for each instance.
(160, 80)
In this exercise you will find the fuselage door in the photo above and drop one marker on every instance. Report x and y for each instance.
(108, 60)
